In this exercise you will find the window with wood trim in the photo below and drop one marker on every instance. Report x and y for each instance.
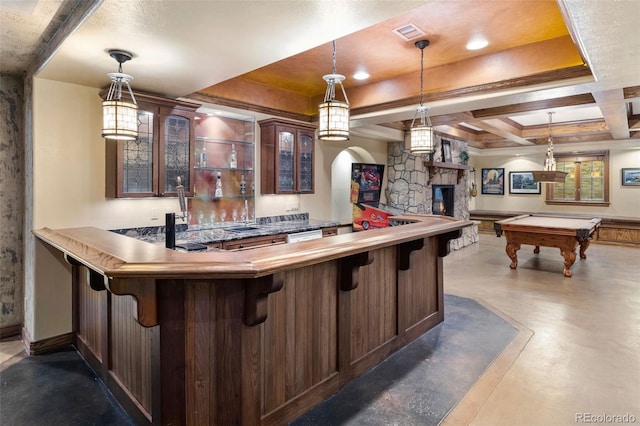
(587, 181)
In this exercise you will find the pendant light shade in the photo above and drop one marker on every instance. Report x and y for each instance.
(333, 114)
(422, 135)
(422, 139)
(119, 116)
(549, 174)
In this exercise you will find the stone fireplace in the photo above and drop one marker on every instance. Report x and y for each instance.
(426, 185)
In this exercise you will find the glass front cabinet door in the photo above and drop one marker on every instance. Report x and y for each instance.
(176, 150)
(285, 159)
(305, 161)
(150, 165)
(287, 155)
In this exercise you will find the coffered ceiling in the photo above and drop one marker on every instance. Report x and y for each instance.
(576, 58)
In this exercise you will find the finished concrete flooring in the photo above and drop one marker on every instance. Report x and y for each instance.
(577, 356)
(583, 358)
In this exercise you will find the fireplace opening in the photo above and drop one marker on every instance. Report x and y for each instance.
(443, 200)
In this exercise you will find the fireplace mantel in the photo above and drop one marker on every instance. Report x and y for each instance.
(432, 166)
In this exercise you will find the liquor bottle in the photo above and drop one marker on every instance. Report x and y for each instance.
(203, 157)
(243, 185)
(233, 160)
(218, 192)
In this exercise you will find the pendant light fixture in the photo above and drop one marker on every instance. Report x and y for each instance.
(549, 174)
(422, 133)
(333, 114)
(120, 117)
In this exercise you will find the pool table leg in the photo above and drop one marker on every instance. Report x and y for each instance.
(584, 245)
(536, 250)
(569, 260)
(512, 249)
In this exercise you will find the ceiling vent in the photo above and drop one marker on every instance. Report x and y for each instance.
(409, 32)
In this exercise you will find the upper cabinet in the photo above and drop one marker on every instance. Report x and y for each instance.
(286, 157)
(164, 150)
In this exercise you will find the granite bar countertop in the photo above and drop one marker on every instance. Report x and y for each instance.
(229, 231)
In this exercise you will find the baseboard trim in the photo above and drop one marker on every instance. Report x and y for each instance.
(44, 346)
(10, 331)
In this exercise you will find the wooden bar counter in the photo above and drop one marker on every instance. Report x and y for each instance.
(253, 337)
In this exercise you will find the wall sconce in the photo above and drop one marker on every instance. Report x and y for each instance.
(422, 134)
(120, 117)
(549, 174)
(333, 114)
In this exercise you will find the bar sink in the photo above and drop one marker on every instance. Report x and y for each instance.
(241, 228)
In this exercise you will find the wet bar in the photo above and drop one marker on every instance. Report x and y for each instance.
(251, 337)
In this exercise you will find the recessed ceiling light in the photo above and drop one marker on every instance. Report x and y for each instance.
(477, 43)
(361, 75)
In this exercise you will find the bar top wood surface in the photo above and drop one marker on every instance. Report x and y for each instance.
(119, 256)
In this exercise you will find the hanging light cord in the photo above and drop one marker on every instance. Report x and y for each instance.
(332, 79)
(117, 80)
(331, 87)
(334, 57)
(421, 78)
(422, 110)
(550, 162)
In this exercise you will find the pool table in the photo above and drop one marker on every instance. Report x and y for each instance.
(565, 233)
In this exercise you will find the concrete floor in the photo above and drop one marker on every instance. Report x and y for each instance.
(583, 358)
(577, 356)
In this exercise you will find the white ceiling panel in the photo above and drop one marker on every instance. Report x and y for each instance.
(560, 115)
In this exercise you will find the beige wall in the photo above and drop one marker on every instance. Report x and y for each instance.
(69, 174)
(625, 200)
(320, 205)
(49, 308)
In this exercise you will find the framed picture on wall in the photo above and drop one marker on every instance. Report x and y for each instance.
(493, 181)
(523, 183)
(446, 151)
(631, 177)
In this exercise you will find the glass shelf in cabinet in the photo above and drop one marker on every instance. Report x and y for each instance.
(225, 141)
(237, 169)
(224, 197)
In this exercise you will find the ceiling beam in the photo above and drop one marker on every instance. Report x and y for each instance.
(378, 132)
(586, 127)
(500, 128)
(525, 107)
(71, 15)
(631, 93)
(457, 132)
(614, 110)
(598, 137)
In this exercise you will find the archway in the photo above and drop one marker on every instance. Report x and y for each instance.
(341, 208)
